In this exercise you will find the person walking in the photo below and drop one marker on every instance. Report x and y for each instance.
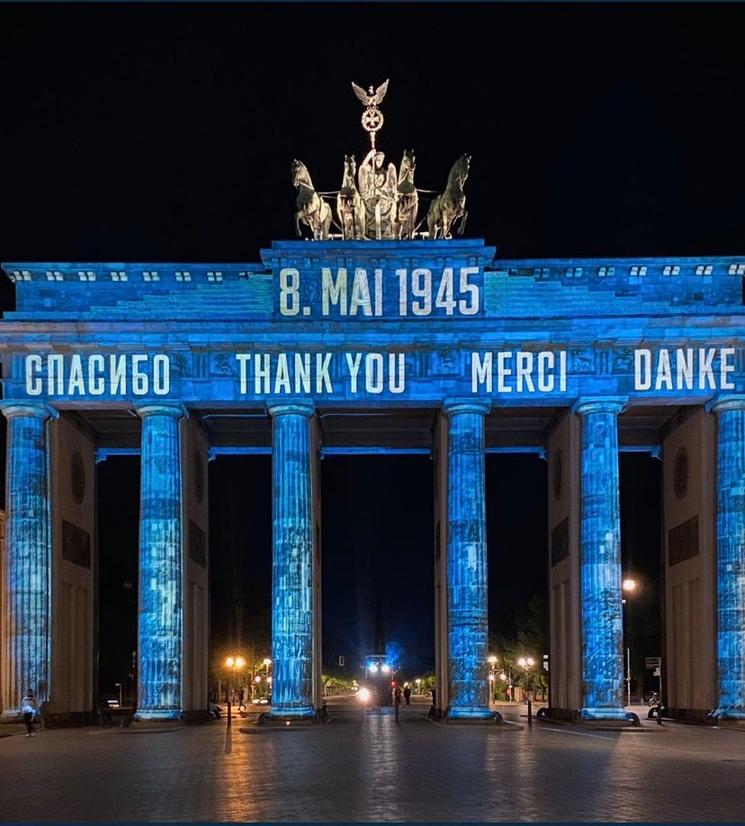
(407, 694)
(396, 700)
(30, 711)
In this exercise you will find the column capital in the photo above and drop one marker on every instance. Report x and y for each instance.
(599, 404)
(12, 408)
(175, 409)
(299, 408)
(451, 407)
(730, 401)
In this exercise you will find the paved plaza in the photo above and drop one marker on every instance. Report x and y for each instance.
(364, 766)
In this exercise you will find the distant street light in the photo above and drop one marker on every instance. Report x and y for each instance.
(234, 664)
(492, 660)
(526, 663)
(628, 586)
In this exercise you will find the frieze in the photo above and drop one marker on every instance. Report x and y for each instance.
(348, 370)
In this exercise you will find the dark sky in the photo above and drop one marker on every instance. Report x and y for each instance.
(144, 132)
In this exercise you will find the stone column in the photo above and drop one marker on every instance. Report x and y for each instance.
(600, 561)
(467, 587)
(292, 562)
(28, 562)
(161, 617)
(730, 412)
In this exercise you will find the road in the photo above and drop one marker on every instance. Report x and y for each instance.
(364, 766)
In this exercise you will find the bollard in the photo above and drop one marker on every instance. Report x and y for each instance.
(659, 712)
(530, 712)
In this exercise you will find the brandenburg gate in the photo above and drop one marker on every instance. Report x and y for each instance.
(577, 358)
(466, 352)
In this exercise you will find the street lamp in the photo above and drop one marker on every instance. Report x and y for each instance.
(234, 664)
(526, 663)
(628, 586)
(492, 660)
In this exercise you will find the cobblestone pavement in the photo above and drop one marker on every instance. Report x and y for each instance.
(364, 766)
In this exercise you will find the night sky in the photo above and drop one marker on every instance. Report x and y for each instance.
(151, 133)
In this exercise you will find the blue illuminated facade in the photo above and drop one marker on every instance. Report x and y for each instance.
(317, 327)
(731, 557)
(600, 578)
(161, 615)
(292, 563)
(468, 629)
(28, 564)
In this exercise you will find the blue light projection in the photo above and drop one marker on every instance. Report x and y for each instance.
(468, 633)
(29, 556)
(600, 565)
(374, 325)
(161, 619)
(292, 562)
(731, 558)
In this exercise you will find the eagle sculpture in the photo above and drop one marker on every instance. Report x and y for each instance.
(371, 98)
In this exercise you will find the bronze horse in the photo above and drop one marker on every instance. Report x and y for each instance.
(349, 207)
(407, 198)
(448, 207)
(312, 210)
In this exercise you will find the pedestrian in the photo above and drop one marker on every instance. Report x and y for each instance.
(30, 711)
(241, 704)
(433, 708)
(396, 700)
(407, 694)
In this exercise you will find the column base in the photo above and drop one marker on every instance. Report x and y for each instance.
(732, 714)
(158, 715)
(617, 716)
(291, 718)
(472, 714)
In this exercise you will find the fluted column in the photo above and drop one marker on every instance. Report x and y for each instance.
(292, 562)
(600, 565)
(467, 588)
(161, 615)
(730, 412)
(28, 566)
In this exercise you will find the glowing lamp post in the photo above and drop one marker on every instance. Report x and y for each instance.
(526, 663)
(628, 586)
(235, 664)
(492, 660)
